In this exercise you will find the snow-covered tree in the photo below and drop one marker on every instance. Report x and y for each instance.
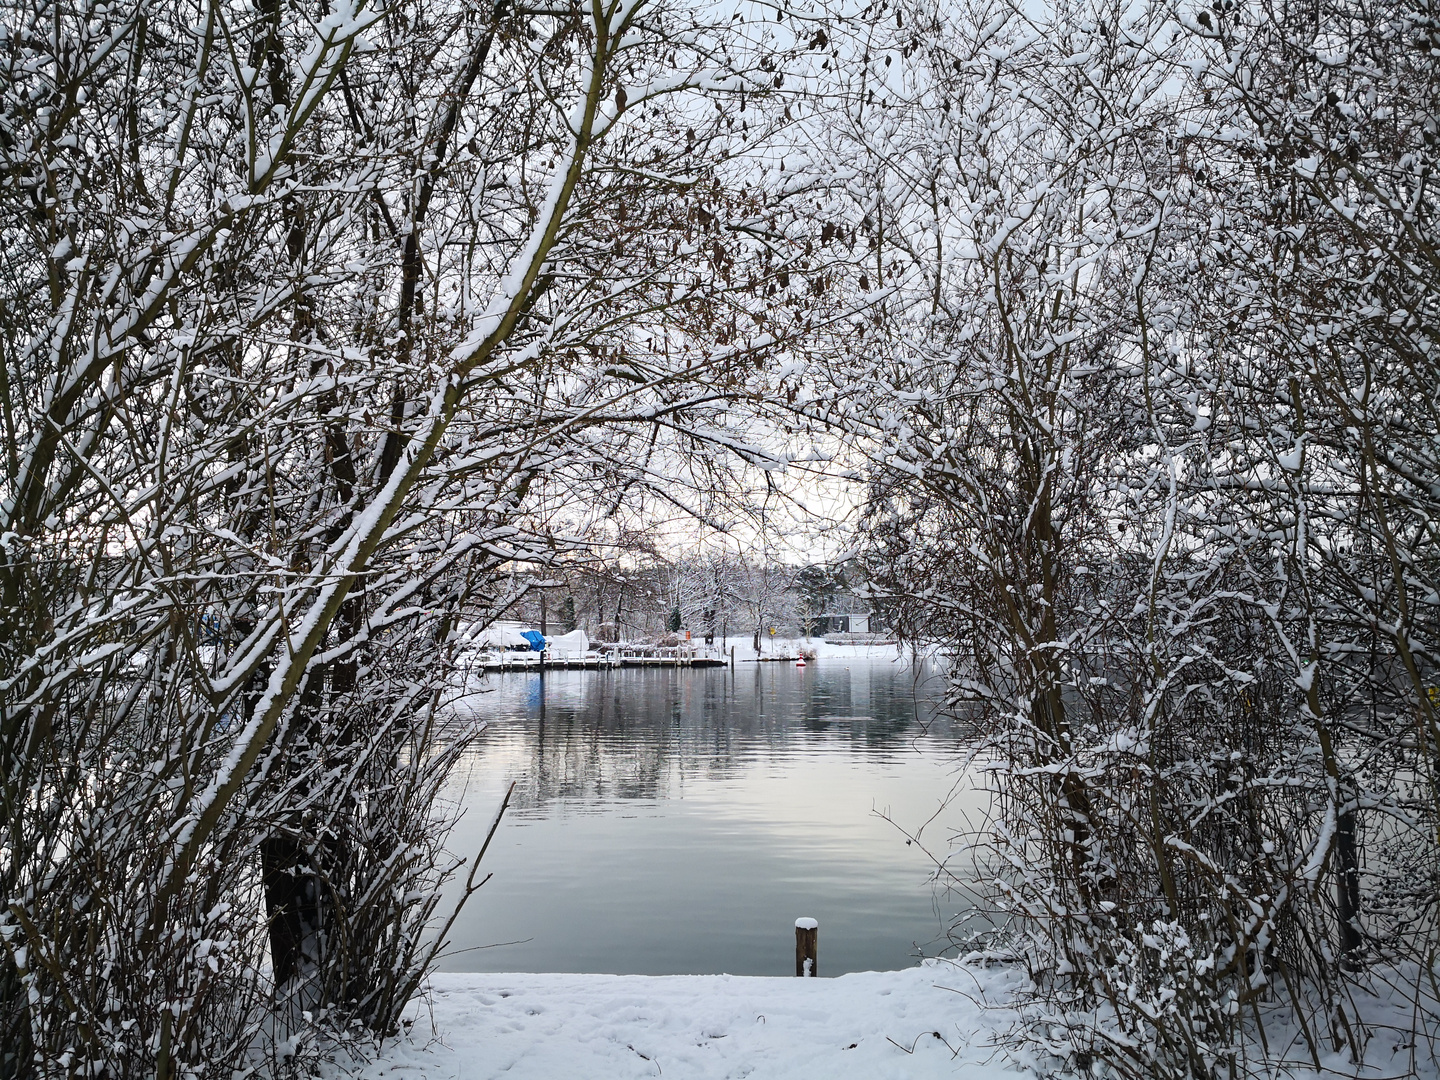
(318, 319)
(1151, 436)
(719, 590)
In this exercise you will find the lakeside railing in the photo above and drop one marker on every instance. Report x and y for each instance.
(683, 655)
(605, 655)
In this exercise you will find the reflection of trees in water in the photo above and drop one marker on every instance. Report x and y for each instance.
(641, 735)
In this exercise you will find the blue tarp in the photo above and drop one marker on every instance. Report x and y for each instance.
(536, 639)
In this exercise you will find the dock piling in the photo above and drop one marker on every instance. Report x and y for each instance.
(807, 948)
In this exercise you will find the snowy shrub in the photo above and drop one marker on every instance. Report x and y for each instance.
(319, 318)
(1151, 420)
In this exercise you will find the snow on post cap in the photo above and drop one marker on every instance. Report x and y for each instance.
(807, 924)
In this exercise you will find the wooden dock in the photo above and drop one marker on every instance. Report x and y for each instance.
(607, 661)
(521, 662)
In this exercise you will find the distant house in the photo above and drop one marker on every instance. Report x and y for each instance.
(847, 623)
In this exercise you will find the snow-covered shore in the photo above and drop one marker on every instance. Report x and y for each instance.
(915, 1024)
(814, 646)
(936, 1020)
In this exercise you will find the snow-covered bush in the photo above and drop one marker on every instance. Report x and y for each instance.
(1151, 417)
(318, 318)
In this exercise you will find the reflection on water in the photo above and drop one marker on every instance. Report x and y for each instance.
(679, 821)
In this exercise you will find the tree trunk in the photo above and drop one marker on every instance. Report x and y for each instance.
(293, 904)
(1347, 889)
(16, 1050)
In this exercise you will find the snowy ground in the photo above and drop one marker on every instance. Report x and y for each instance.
(939, 1020)
(866, 1026)
(818, 646)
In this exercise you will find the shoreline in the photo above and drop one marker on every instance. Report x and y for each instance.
(940, 1018)
(871, 1025)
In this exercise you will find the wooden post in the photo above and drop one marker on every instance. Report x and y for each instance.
(807, 948)
(732, 657)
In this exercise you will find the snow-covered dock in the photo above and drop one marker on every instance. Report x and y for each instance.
(737, 649)
(515, 647)
(537, 661)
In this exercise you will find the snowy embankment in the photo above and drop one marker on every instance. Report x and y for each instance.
(936, 1020)
(817, 647)
(923, 1022)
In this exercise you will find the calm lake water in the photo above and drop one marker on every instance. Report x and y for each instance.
(679, 821)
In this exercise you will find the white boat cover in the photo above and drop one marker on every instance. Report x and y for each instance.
(502, 635)
(575, 643)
